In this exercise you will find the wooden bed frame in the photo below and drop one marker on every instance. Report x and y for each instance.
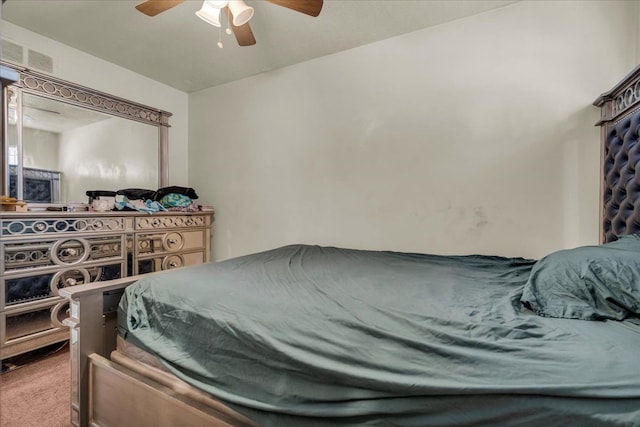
(121, 393)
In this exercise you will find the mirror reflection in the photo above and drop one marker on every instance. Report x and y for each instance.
(67, 150)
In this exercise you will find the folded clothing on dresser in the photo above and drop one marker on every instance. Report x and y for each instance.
(173, 198)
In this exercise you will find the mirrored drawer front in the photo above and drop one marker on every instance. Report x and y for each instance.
(163, 222)
(63, 252)
(32, 288)
(170, 242)
(39, 226)
(19, 325)
(169, 262)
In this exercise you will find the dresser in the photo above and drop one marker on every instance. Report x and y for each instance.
(42, 252)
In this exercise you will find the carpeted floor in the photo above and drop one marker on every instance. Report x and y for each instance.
(37, 394)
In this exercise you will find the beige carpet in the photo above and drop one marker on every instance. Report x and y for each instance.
(37, 395)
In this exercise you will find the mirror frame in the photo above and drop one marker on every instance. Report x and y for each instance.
(43, 85)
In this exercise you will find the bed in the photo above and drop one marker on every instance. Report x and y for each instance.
(321, 336)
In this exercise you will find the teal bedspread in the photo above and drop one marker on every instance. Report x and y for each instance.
(320, 336)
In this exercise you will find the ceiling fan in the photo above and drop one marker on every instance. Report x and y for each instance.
(237, 11)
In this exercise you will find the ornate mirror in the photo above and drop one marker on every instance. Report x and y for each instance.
(61, 139)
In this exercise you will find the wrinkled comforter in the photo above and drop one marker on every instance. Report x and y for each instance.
(321, 336)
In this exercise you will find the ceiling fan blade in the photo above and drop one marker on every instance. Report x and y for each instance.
(154, 7)
(243, 33)
(310, 7)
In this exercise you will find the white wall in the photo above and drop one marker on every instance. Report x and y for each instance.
(638, 32)
(84, 69)
(475, 136)
(40, 149)
(91, 157)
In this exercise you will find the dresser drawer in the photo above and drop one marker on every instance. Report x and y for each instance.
(30, 227)
(172, 241)
(61, 252)
(18, 325)
(22, 288)
(169, 262)
(164, 222)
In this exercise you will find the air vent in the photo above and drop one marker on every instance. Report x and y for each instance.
(12, 52)
(40, 61)
(21, 55)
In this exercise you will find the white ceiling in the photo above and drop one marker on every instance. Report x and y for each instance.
(54, 116)
(178, 49)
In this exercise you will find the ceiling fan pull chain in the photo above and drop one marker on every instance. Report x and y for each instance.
(220, 37)
(228, 30)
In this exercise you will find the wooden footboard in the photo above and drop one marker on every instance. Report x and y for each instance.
(92, 324)
(122, 397)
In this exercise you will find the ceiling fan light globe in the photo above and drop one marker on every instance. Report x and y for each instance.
(209, 13)
(240, 11)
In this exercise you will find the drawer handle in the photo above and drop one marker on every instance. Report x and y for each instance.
(62, 279)
(172, 242)
(78, 251)
(70, 252)
(173, 261)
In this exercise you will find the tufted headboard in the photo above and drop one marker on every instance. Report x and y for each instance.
(620, 162)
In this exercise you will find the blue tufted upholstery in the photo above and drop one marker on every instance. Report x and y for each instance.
(27, 289)
(621, 189)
